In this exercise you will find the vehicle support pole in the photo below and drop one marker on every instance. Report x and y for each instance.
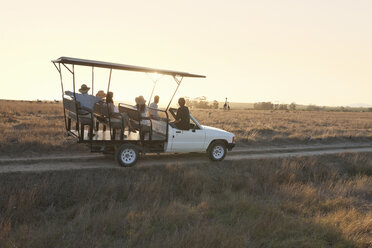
(108, 109)
(67, 68)
(152, 92)
(93, 107)
(178, 85)
(76, 106)
(93, 80)
(73, 81)
(63, 92)
(109, 82)
(60, 69)
(60, 75)
(153, 88)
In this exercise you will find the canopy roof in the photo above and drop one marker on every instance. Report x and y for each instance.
(86, 62)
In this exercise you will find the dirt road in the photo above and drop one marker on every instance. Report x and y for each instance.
(240, 153)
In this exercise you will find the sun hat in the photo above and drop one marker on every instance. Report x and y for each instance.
(84, 88)
(101, 94)
(140, 100)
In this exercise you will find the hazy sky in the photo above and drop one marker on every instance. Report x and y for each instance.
(303, 51)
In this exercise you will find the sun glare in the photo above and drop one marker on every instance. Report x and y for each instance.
(155, 76)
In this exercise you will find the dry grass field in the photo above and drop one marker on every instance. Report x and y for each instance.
(31, 128)
(296, 202)
(288, 127)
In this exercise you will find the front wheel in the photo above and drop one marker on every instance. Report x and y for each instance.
(217, 151)
(127, 155)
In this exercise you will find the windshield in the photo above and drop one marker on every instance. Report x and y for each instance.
(194, 124)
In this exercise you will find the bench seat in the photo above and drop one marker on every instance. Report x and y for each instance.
(85, 119)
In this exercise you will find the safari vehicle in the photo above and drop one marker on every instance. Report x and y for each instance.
(105, 131)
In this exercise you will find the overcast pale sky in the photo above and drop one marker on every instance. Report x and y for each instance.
(302, 51)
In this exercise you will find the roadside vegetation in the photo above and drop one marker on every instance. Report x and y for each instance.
(30, 128)
(295, 202)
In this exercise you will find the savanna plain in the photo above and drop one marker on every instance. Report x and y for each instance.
(323, 201)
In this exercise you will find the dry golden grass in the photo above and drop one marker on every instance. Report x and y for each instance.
(260, 126)
(296, 202)
(29, 128)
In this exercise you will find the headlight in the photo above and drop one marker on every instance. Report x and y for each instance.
(233, 139)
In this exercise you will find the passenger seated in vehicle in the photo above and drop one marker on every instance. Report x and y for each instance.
(113, 109)
(183, 115)
(141, 108)
(110, 102)
(85, 100)
(101, 94)
(145, 124)
(153, 114)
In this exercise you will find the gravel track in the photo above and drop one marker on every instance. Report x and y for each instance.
(60, 163)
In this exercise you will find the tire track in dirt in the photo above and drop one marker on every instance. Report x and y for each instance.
(101, 162)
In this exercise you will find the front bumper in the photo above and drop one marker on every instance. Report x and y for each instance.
(230, 146)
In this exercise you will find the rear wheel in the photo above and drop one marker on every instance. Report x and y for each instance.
(127, 155)
(217, 151)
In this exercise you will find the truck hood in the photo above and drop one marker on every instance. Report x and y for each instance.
(216, 131)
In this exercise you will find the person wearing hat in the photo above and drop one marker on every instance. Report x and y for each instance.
(140, 100)
(101, 94)
(85, 100)
(141, 105)
(141, 108)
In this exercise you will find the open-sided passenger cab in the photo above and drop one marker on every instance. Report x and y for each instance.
(105, 131)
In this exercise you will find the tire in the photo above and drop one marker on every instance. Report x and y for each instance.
(127, 155)
(217, 151)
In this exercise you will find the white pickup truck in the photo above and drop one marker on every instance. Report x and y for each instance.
(199, 138)
(114, 137)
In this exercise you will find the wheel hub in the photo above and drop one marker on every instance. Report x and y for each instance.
(128, 156)
(218, 152)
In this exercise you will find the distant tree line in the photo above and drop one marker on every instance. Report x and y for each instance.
(201, 103)
(263, 106)
(310, 107)
(313, 107)
(271, 106)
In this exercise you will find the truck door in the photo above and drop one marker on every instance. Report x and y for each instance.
(187, 140)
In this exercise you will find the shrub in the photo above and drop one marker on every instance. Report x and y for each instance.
(263, 106)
